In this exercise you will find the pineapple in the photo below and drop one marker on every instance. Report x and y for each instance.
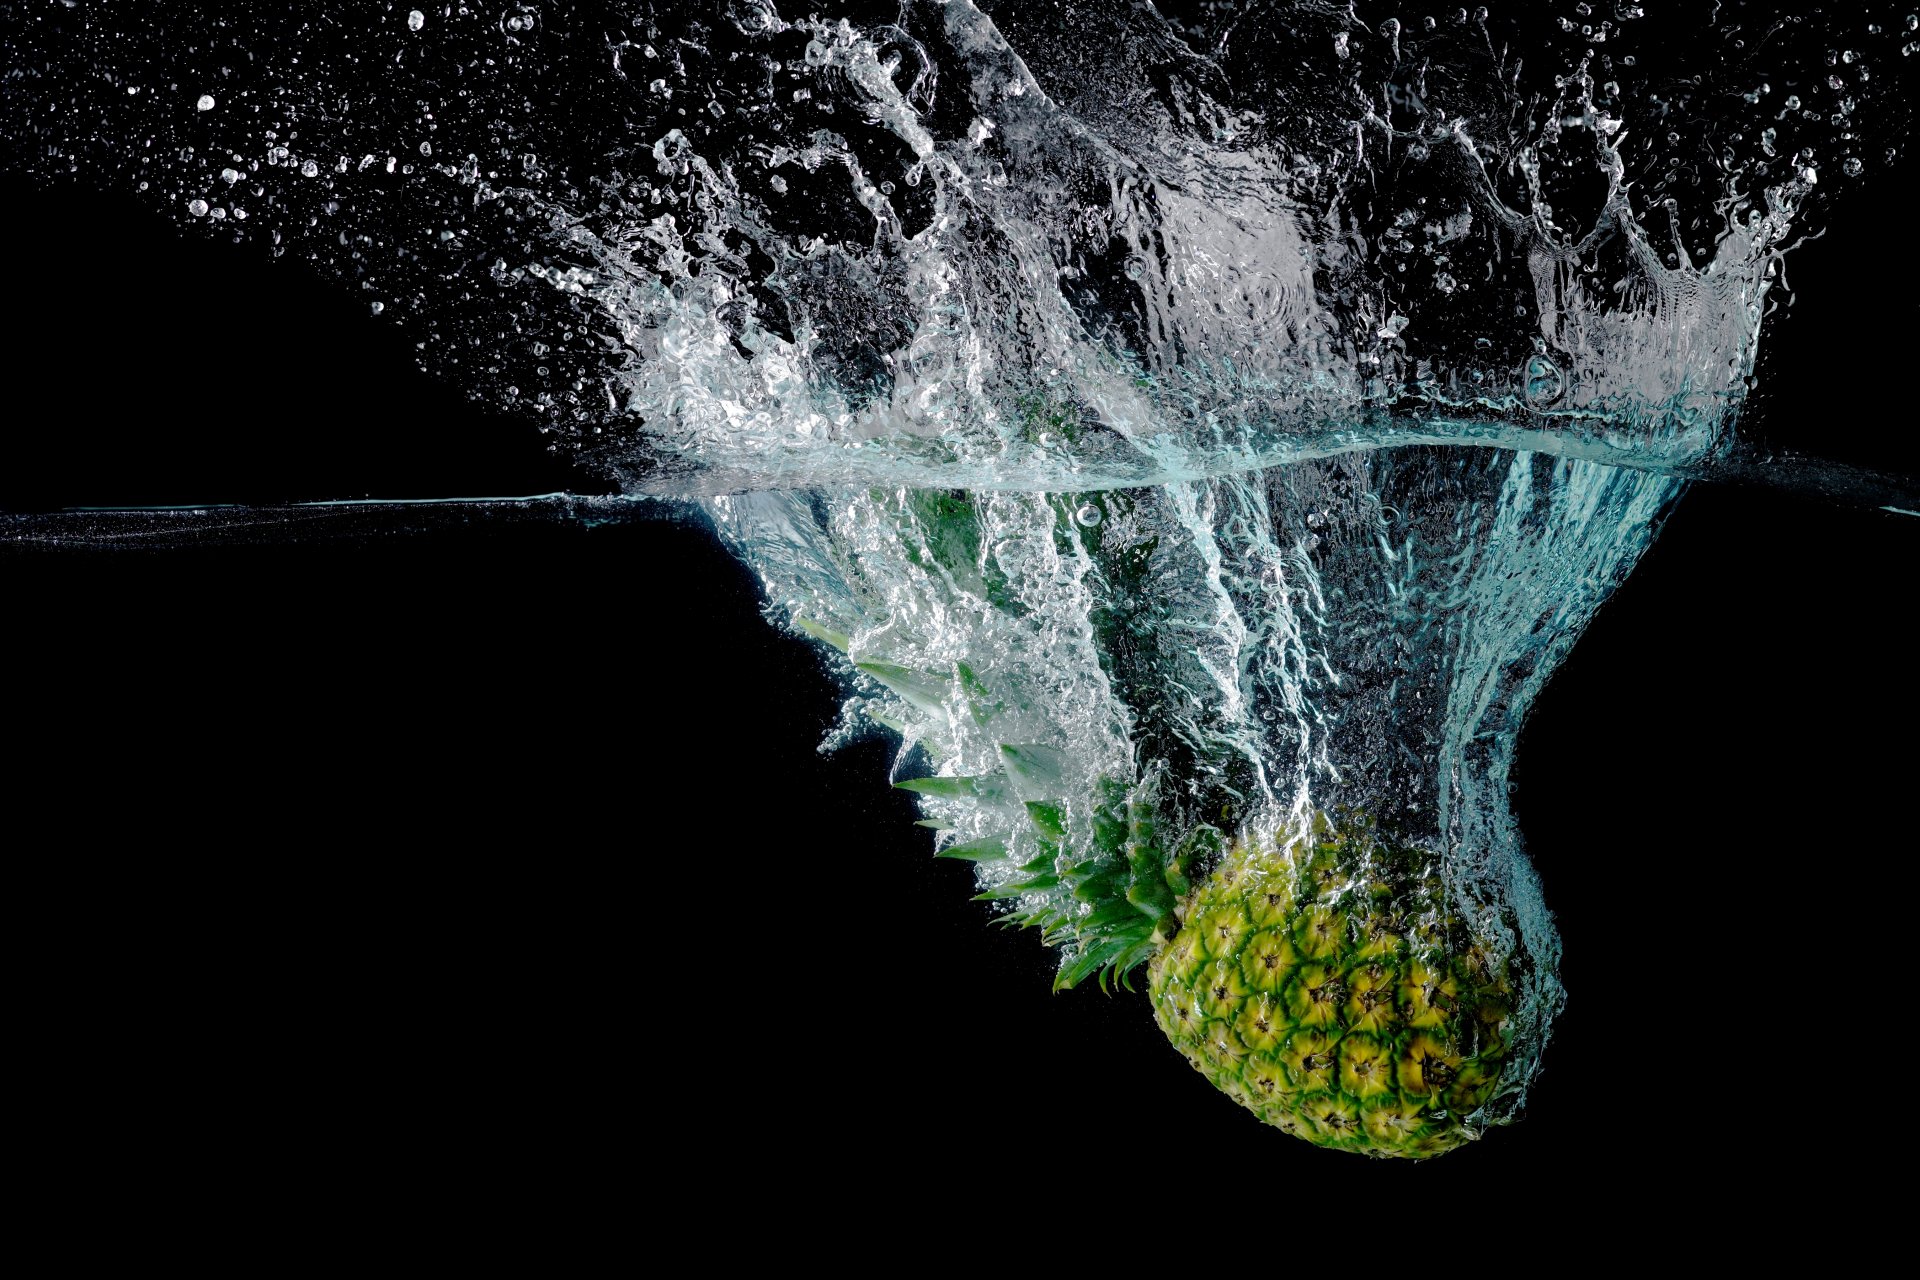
(1318, 978)
(1322, 983)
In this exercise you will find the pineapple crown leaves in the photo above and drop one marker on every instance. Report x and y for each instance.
(1108, 896)
(931, 694)
(1103, 887)
(1106, 890)
(1125, 887)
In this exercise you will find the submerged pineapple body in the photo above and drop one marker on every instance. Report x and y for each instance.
(1322, 982)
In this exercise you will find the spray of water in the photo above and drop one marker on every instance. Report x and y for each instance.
(1246, 403)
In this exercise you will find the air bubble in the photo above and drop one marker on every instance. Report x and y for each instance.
(1543, 381)
(309, 169)
(416, 20)
(205, 103)
(198, 208)
(377, 307)
(1088, 515)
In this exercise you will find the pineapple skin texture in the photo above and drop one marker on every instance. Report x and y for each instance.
(1321, 983)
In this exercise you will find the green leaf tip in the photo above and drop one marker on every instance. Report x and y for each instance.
(985, 850)
(1047, 820)
(1034, 765)
(990, 788)
(821, 632)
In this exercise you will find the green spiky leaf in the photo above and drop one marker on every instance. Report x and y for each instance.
(822, 633)
(1047, 820)
(886, 721)
(1036, 769)
(989, 787)
(986, 850)
(925, 693)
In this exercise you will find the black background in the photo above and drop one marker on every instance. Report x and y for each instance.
(496, 855)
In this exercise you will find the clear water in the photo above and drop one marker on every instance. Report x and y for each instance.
(1316, 370)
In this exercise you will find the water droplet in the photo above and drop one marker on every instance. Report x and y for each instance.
(426, 148)
(1088, 515)
(205, 103)
(1852, 168)
(309, 169)
(229, 176)
(416, 20)
(377, 308)
(198, 208)
(1543, 381)
(1340, 44)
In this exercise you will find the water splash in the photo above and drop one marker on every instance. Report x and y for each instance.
(1364, 633)
(1096, 379)
(720, 250)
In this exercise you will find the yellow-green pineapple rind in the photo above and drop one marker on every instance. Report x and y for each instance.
(1323, 984)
